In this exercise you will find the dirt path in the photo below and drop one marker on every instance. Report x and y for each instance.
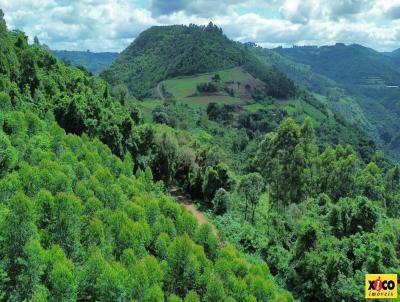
(188, 204)
(159, 91)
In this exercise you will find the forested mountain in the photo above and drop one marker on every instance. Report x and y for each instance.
(304, 204)
(394, 58)
(162, 52)
(95, 62)
(346, 64)
(76, 222)
(370, 77)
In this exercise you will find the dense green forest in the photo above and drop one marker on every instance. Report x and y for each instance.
(304, 202)
(314, 209)
(95, 62)
(76, 222)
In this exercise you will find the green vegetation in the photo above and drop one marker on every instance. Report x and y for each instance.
(370, 78)
(76, 222)
(360, 63)
(164, 52)
(327, 218)
(304, 203)
(95, 62)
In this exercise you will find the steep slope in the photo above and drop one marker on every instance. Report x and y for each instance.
(369, 77)
(394, 58)
(95, 62)
(163, 52)
(300, 73)
(346, 64)
(334, 96)
(75, 223)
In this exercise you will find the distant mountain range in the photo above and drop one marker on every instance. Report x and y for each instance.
(94, 62)
(372, 78)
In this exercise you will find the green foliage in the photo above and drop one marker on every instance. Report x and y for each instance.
(105, 235)
(358, 76)
(207, 87)
(250, 189)
(76, 224)
(163, 52)
(8, 154)
(286, 160)
(221, 201)
(215, 178)
(138, 64)
(348, 217)
(325, 220)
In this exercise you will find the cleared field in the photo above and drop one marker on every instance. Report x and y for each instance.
(257, 106)
(203, 101)
(148, 105)
(184, 88)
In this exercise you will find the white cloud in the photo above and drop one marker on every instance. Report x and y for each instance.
(103, 25)
(110, 25)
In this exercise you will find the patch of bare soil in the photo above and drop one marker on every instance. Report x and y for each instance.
(189, 206)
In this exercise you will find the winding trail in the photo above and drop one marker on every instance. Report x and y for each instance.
(159, 91)
(201, 219)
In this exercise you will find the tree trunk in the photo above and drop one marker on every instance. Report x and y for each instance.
(252, 214)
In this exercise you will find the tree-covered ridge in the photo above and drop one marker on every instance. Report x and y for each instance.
(346, 64)
(95, 62)
(162, 52)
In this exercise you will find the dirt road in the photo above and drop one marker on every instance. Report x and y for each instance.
(188, 204)
(159, 91)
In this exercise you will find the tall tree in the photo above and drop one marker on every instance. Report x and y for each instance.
(250, 188)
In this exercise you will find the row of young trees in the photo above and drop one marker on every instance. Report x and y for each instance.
(77, 225)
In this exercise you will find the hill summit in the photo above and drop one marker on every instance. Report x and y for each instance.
(163, 52)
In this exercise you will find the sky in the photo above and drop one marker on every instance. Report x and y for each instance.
(111, 25)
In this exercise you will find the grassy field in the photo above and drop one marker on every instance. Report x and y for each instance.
(257, 106)
(184, 88)
(148, 105)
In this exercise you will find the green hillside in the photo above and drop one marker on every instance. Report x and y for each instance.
(240, 105)
(76, 224)
(95, 62)
(330, 92)
(346, 64)
(164, 52)
(393, 58)
(368, 77)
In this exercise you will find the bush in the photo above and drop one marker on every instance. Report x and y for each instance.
(221, 201)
